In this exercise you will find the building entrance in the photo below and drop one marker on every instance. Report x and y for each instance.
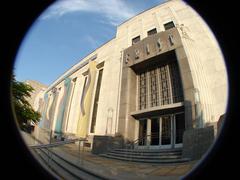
(162, 132)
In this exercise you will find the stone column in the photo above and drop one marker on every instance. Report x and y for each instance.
(148, 132)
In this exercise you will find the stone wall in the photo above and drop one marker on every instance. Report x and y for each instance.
(103, 144)
(220, 123)
(197, 141)
(37, 86)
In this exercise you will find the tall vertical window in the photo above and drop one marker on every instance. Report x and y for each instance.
(169, 25)
(177, 93)
(95, 106)
(153, 88)
(159, 86)
(143, 90)
(164, 84)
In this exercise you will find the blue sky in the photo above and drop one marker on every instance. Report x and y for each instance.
(69, 30)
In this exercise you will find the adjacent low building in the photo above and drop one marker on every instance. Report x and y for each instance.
(35, 99)
(161, 75)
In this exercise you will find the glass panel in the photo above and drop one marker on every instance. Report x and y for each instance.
(180, 127)
(142, 132)
(155, 131)
(166, 130)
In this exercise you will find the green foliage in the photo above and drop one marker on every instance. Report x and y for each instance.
(24, 111)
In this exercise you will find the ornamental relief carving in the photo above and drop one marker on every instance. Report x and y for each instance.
(152, 46)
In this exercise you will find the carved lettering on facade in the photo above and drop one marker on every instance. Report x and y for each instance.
(147, 49)
(159, 44)
(137, 54)
(127, 58)
(153, 46)
(170, 38)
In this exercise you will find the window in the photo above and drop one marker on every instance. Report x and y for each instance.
(143, 90)
(135, 40)
(151, 32)
(169, 25)
(95, 106)
(159, 86)
(176, 82)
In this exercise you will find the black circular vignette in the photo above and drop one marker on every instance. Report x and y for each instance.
(18, 162)
(220, 161)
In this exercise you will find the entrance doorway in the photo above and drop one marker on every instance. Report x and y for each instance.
(162, 132)
(166, 130)
(142, 132)
(155, 127)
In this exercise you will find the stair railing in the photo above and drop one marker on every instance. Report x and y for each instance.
(61, 143)
(142, 140)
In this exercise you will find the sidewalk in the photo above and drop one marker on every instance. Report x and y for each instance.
(29, 139)
(116, 169)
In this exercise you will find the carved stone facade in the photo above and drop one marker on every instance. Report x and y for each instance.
(161, 75)
(36, 100)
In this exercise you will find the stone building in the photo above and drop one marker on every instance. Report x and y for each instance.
(36, 100)
(161, 75)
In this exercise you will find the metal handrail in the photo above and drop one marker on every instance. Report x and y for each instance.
(56, 143)
(132, 144)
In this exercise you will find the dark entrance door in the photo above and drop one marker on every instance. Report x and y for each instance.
(142, 132)
(180, 127)
(155, 131)
(166, 130)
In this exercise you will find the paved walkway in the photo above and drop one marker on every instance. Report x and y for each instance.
(116, 169)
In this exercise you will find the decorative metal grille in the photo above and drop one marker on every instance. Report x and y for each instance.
(160, 86)
(153, 89)
(143, 90)
(166, 130)
(164, 88)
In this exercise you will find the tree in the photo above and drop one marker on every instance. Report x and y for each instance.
(24, 112)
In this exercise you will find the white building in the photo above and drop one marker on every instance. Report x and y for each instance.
(161, 74)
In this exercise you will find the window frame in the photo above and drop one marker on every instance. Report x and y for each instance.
(168, 24)
(136, 38)
(154, 30)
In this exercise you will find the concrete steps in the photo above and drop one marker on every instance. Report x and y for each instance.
(147, 155)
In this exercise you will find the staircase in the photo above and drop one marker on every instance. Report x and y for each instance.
(160, 156)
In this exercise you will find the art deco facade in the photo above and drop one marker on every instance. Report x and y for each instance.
(161, 74)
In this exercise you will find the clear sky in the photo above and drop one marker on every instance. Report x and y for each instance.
(69, 30)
